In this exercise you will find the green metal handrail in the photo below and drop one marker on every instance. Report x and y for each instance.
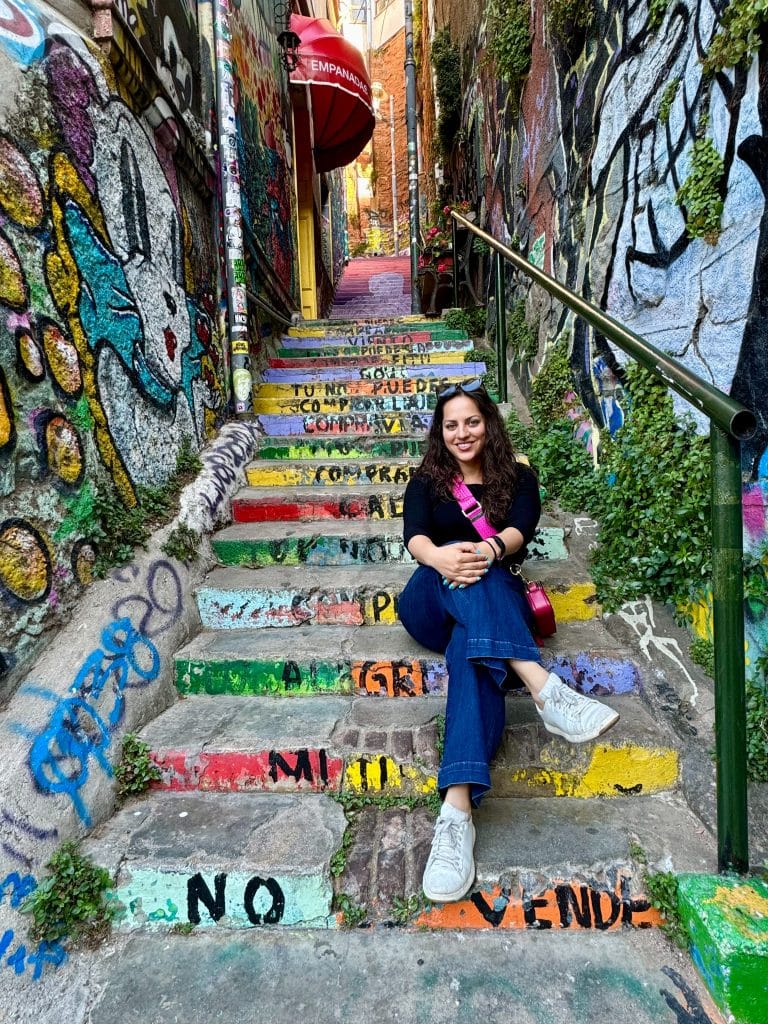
(730, 424)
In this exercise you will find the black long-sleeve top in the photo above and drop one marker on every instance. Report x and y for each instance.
(424, 514)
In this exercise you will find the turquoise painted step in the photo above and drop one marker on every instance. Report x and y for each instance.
(167, 851)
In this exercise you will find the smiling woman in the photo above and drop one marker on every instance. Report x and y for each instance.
(464, 602)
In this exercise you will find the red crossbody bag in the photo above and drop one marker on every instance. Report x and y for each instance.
(541, 607)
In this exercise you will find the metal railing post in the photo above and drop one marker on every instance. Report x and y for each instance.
(730, 423)
(728, 631)
(501, 325)
(455, 253)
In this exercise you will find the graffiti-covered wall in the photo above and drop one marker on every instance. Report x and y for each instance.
(584, 161)
(110, 359)
(265, 148)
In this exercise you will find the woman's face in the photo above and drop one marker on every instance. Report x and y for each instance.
(463, 430)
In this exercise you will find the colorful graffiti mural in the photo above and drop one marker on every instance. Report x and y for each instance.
(584, 163)
(111, 359)
(264, 139)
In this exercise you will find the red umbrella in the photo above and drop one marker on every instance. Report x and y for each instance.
(334, 70)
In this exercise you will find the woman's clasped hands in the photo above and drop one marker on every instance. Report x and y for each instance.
(463, 564)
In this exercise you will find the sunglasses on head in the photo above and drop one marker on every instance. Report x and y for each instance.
(467, 389)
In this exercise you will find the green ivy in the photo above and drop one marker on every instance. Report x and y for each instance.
(509, 37)
(699, 194)
(566, 17)
(183, 544)
(446, 62)
(667, 99)
(136, 769)
(703, 653)
(656, 11)
(72, 900)
(551, 385)
(662, 891)
(522, 338)
(655, 530)
(121, 529)
(738, 37)
(491, 375)
(471, 321)
(757, 723)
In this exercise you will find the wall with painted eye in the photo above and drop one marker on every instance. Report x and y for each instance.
(111, 364)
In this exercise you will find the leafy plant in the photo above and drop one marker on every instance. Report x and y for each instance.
(567, 17)
(181, 928)
(71, 901)
(404, 910)
(120, 529)
(703, 653)
(472, 321)
(551, 386)
(565, 469)
(667, 99)
(662, 891)
(446, 62)
(136, 769)
(699, 195)
(354, 913)
(489, 357)
(738, 37)
(757, 723)
(440, 739)
(187, 461)
(522, 338)
(183, 544)
(656, 11)
(509, 37)
(655, 531)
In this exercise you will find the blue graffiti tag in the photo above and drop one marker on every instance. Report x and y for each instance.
(46, 953)
(60, 755)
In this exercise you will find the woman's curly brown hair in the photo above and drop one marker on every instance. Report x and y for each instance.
(499, 464)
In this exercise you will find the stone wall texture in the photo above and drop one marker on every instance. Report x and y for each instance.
(582, 162)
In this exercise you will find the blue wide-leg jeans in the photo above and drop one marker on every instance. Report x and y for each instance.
(477, 629)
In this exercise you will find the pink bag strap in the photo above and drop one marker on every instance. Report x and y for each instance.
(472, 509)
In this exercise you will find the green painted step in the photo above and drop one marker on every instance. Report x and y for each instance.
(384, 662)
(361, 446)
(339, 543)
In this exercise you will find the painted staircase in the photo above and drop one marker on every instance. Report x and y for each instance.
(299, 764)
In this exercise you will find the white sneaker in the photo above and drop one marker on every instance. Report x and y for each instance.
(571, 715)
(450, 869)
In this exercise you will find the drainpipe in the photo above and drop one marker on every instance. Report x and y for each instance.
(413, 155)
(234, 252)
(395, 226)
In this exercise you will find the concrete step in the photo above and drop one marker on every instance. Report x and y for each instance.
(339, 543)
(401, 357)
(366, 347)
(367, 327)
(286, 404)
(338, 369)
(361, 446)
(335, 472)
(265, 504)
(285, 596)
(393, 974)
(242, 859)
(355, 424)
(384, 661)
(357, 745)
(397, 387)
(235, 860)
(541, 863)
